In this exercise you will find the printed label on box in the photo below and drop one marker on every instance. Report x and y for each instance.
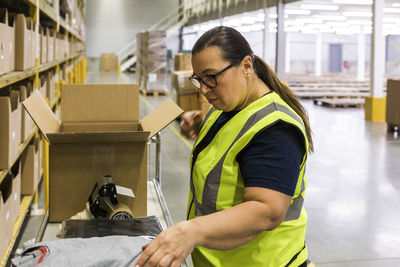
(152, 77)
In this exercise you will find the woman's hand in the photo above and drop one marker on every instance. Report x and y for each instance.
(170, 248)
(190, 124)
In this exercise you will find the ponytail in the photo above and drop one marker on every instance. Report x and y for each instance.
(268, 76)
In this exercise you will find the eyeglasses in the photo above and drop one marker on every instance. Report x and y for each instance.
(210, 80)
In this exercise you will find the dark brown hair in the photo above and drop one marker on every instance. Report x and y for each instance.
(235, 47)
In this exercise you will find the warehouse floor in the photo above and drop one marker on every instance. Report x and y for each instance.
(353, 183)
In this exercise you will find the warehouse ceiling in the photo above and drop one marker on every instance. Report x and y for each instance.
(347, 17)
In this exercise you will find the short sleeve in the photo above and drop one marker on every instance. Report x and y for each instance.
(273, 157)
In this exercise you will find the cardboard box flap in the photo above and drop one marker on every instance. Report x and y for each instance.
(41, 114)
(105, 137)
(160, 117)
(100, 103)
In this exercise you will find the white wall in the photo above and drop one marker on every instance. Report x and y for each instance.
(110, 24)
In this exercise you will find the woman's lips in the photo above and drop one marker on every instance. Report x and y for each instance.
(211, 100)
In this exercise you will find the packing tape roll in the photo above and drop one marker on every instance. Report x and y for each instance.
(121, 212)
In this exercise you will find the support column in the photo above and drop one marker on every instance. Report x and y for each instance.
(375, 105)
(280, 40)
(287, 52)
(361, 57)
(266, 33)
(318, 54)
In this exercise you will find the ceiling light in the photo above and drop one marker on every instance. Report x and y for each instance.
(319, 7)
(248, 20)
(297, 12)
(359, 22)
(396, 5)
(329, 17)
(308, 31)
(294, 22)
(353, 2)
(273, 16)
(337, 24)
(391, 10)
(357, 14)
(395, 20)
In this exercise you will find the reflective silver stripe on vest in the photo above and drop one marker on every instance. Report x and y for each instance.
(213, 180)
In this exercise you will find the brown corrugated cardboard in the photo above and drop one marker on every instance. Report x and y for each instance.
(3, 39)
(50, 44)
(16, 190)
(30, 168)
(183, 61)
(6, 224)
(11, 44)
(99, 133)
(108, 62)
(10, 130)
(393, 102)
(43, 45)
(188, 101)
(6, 42)
(23, 42)
(181, 83)
(26, 121)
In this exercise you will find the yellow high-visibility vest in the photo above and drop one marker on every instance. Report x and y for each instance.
(216, 184)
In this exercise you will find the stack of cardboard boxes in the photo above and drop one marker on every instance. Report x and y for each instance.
(23, 175)
(151, 68)
(188, 96)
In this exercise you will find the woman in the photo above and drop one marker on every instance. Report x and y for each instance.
(247, 165)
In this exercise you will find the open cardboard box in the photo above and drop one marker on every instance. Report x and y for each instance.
(99, 134)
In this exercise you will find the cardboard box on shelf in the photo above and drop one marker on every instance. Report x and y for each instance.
(26, 121)
(16, 190)
(99, 134)
(10, 130)
(6, 223)
(43, 45)
(6, 42)
(50, 44)
(180, 81)
(11, 43)
(25, 43)
(393, 102)
(30, 168)
(183, 61)
(108, 62)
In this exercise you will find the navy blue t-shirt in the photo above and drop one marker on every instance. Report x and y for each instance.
(271, 159)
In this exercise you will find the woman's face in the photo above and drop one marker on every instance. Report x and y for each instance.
(231, 90)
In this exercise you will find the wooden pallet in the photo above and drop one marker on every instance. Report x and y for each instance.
(340, 102)
(329, 95)
(153, 92)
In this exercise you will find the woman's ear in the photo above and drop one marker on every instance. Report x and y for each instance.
(247, 65)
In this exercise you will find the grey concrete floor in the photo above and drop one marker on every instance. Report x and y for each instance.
(353, 183)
